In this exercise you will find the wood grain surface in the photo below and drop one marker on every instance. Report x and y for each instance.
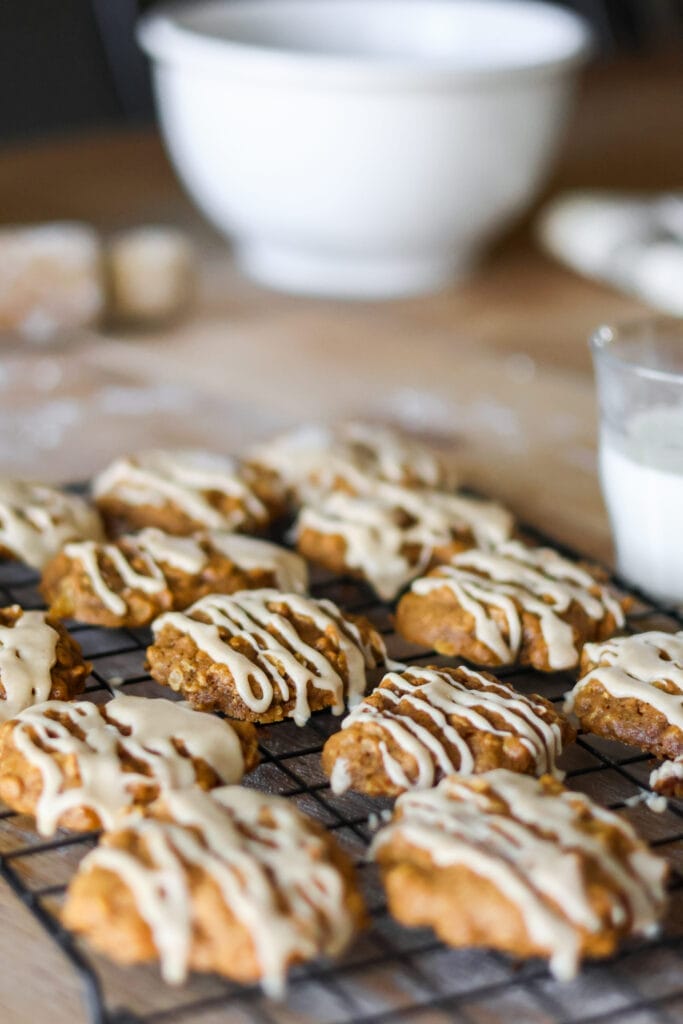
(497, 367)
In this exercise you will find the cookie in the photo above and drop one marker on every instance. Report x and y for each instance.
(132, 580)
(182, 491)
(389, 535)
(39, 661)
(314, 459)
(424, 723)
(151, 274)
(36, 521)
(51, 283)
(522, 865)
(513, 605)
(233, 882)
(78, 765)
(262, 655)
(631, 690)
(668, 779)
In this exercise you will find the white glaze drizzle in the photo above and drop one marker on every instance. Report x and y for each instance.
(186, 554)
(28, 650)
(532, 857)
(439, 695)
(35, 520)
(515, 578)
(376, 541)
(631, 666)
(657, 804)
(281, 662)
(340, 778)
(90, 554)
(668, 771)
(255, 863)
(184, 478)
(251, 553)
(314, 457)
(397, 456)
(105, 788)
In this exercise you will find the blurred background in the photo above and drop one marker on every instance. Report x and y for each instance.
(495, 363)
(75, 64)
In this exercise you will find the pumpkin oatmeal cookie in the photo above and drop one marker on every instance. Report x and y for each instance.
(631, 690)
(424, 723)
(36, 520)
(316, 458)
(130, 581)
(390, 534)
(522, 865)
(183, 491)
(232, 881)
(78, 765)
(262, 655)
(512, 605)
(39, 660)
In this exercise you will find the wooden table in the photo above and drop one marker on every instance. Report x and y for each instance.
(497, 367)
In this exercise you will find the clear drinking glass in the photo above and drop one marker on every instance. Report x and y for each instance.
(639, 373)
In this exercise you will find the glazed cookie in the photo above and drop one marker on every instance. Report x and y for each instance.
(36, 520)
(39, 660)
(78, 765)
(319, 458)
(184, 491)
(522, 865)
(262, 655)
(424, 723)
(233, 882)
(515, 605)
(668, 779)
(389, 534)
(132, 580)
(631, 690)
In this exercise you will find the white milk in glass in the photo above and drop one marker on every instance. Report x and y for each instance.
(641, 469)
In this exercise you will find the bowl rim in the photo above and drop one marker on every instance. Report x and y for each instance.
(166, 40)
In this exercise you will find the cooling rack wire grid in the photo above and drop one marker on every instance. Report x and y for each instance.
(390, 974)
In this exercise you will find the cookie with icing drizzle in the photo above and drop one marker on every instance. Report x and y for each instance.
(510, 605)
(130, 581)
(422, 724)
(667, 780)
(79, 765)
(509, 862)
(389, 535)
(39, 661)
(37, 520)
(233, 882)
(316, 458)
(186, 490)
(631, 690)
(262, 655)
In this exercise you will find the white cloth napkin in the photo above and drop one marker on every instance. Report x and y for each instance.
(631, 241)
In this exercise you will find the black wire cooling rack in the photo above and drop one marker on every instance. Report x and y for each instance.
(391, 974)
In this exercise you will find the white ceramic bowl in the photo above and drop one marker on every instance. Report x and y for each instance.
(362, 147)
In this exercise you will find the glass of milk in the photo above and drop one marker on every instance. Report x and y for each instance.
(639, 372)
